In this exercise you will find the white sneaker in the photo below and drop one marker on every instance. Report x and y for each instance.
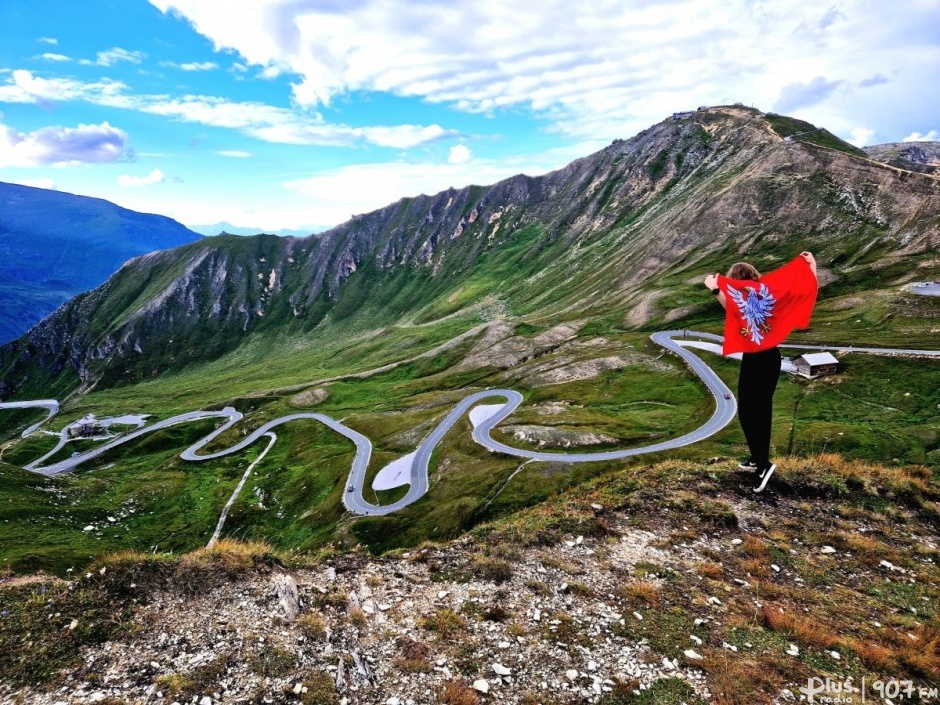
(765, 477)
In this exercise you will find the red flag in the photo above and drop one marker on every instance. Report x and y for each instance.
(759, 315)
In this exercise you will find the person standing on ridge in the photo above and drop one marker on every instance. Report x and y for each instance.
(763, 310)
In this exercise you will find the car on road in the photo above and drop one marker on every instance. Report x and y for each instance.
(349, 489)
(727, 396)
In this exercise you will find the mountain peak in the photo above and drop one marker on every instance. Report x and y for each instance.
(600, 234)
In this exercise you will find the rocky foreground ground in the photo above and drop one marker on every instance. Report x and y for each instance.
(673, 585)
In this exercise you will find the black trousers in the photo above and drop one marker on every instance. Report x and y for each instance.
(756, 386)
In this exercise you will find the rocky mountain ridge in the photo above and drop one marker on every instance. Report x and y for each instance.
(607, 232)
(923, 157)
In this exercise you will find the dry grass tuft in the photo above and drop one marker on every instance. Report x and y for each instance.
(321, 689)
(136, 573)
(642, 591)
(922, 654)
(871, 654)
(754, 547)
(860, 543)
(516, 629)
(769, 590)
(236, 555)
(334, 597)
(228, 559)
(413, 656)
(909, 483)
(494, 570)
(272, 662)
(358, 617)
(506, 551)
(709, 570)
(867, 550)
(456, 693)
(740, 681)
(805, 630)
(444, 622)
(756, 567)
(312, 625)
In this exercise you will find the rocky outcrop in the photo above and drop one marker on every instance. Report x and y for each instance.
(923, 157)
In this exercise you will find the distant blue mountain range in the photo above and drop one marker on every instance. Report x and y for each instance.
(54, 245)
(225, 227)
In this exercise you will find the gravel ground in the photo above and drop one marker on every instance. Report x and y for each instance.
(540, 632)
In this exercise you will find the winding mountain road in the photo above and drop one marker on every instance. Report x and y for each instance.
(725, 409)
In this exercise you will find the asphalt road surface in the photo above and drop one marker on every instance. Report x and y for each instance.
(353, 499)
(50, 405)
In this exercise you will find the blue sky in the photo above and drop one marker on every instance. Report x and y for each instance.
(297, 114)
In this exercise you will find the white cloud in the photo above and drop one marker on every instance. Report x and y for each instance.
(55, 57)
(931, 136)
(199, 66)
(601, 69)
(237, 153)
(861, 136)
(154, 177)
(24, 87)
(192, 65)
(333, 196)
(271, 72)
(406, 136)
(459, 154)
(63, 146)
(283, 126)
(259, 120)
(117, 54)
(48, 40)
(42, 182)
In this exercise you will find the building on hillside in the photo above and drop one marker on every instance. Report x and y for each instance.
(85, 427)
(815, 364)
(683, 115)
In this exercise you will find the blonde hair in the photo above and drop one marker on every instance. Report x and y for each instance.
(743, 270)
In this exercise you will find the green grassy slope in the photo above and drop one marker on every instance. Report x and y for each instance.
(881, 409)
(582, 249)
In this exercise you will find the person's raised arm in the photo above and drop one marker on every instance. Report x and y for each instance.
(810, 260)
(711, 282)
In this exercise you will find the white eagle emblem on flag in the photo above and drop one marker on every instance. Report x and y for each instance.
(756, 309)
